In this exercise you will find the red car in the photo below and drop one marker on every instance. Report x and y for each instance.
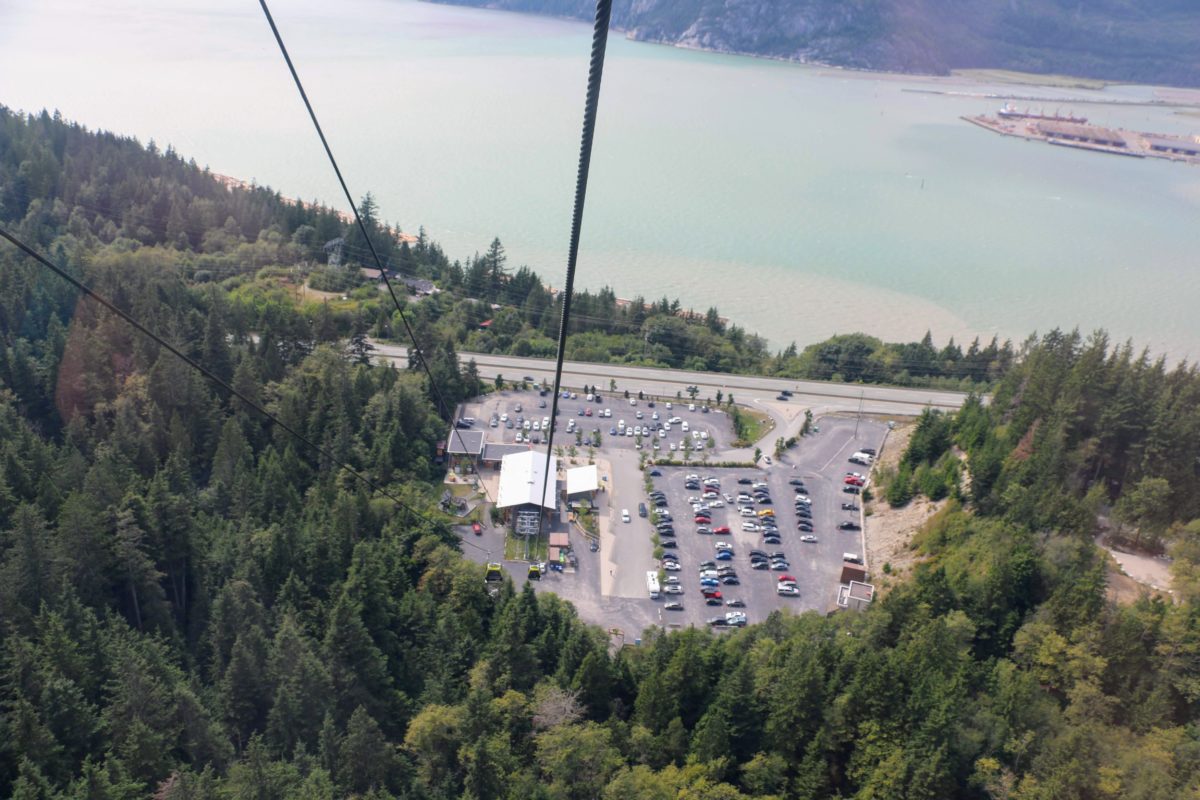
(587, 412)
(787, 578)
(853, 481)
(477, 528)
(703, 520)
(712, 594)
(722, 530)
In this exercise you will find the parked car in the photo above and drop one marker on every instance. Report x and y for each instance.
(477, 529)
(674, 605)
(735, 603)
(850, 526)
(808, 539)
(787, 590)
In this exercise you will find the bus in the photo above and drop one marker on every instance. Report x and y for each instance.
(652, 584)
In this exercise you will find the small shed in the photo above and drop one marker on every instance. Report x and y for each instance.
(855, 595)
(582, 483)
(464, 447)
(852, 572)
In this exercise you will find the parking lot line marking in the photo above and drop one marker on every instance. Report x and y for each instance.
(835, 455)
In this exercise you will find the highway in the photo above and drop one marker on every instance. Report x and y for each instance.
(821, 396)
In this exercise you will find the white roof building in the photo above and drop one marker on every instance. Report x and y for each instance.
(522, 476)
(582, 479)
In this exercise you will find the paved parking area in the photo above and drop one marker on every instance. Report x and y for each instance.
(609, 587)
(619, 424)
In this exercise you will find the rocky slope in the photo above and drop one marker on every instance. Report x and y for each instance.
(1148, 41)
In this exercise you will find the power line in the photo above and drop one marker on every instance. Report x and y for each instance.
(590, 107)
(207, 373)
(312, 114)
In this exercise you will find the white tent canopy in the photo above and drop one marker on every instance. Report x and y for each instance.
(522, 476)
(582, 479)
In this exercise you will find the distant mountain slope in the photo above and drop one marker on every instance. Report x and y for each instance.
(1150, 41)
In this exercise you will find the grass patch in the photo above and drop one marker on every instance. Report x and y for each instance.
(750, 425)
(1030, 78)
(514, 547)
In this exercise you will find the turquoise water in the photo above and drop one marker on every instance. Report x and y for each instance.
(801, 201)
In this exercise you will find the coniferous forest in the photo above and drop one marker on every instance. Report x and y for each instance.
(193, 604)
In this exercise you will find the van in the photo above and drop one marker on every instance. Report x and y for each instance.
(853, 558)
(625, 515)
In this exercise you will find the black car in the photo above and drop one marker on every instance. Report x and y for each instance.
(848, 489)
(668, 543)
(745, 481)
(772, 540)
(868, 450)
(849, 507)
(763, 500)
(655, 473)
(713, 601)
(642, 511)
(754, 553)
(730, 580)
(708, 565)
(786, 392)
(778, 554)
(760, 565)
(804, 528)
(781, 397)
(796, 482)
(850, 526)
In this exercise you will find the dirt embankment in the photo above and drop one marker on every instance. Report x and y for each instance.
(889, 531)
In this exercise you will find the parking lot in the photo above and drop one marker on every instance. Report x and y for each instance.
(610, 423)
(610, 588)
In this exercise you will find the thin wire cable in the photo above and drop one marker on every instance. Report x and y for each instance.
(590, 107)
(133, 321)
(312, 114)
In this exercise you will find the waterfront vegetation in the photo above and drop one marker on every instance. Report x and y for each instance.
(194, 606)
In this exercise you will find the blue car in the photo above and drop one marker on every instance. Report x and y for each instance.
(724, 555)
(566, 395)
(709, 582)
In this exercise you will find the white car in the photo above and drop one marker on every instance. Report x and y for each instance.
(639, 415)
(504, 417)
(668, 406)
(728, 498)
(671, 566)
(654, 415)
(787, 590)
(717, 504)
(809, 538)
(695, 434)
(666, 428)
(723, 546)
(703, 434)
(662, 434)
(656, 447)
(625, 515)
(672, 447)
(746, 511)
(751, 526)
(671, 579)
(803, 498)
(673, 588)
(607, 412)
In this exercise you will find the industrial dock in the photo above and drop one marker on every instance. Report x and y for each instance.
(1071, 131)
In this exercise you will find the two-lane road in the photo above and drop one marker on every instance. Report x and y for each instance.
(822, 395)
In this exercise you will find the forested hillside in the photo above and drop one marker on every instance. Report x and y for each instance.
(194, 606)
(1122, 40)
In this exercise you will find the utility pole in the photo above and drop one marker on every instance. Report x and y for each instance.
(861, 394)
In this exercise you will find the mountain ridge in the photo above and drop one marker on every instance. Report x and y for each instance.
(1117, 40)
